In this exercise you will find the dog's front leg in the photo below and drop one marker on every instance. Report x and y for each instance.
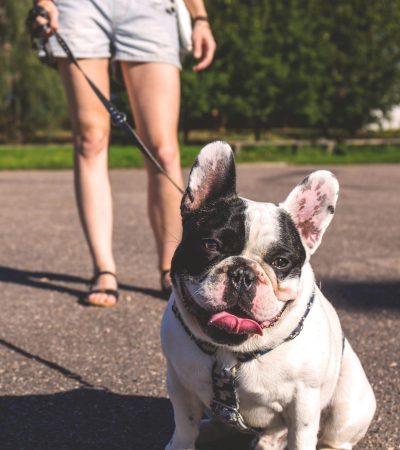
(304, 420)
(188, 411)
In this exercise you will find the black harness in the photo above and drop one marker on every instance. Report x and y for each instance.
(225, 402)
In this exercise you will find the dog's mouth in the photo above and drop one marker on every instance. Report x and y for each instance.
(237, 321)
(231, 326)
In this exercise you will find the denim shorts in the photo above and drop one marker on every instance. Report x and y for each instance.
(122, 30)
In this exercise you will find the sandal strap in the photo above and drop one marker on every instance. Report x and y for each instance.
(106, 272)
(113, 292)
(102, 272)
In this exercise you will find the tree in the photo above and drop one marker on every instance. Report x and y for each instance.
(31, 94)
(302, 63)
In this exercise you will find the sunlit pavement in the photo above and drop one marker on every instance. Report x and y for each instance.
(76, 377)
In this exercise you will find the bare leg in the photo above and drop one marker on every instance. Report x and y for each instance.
(91, 129)
(154, 92)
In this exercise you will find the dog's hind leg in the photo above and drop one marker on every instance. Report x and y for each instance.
(352, 408)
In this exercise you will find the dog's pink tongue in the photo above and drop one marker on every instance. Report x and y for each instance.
(235, 324)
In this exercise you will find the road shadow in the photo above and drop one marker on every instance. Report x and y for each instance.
(348, 294)
(85, 418)
(362, 294)
(90, 417)
(59, 282)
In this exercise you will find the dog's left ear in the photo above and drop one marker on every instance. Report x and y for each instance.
(311, 205)
(213, 176)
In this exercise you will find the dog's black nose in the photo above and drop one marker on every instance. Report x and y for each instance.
(242, 276)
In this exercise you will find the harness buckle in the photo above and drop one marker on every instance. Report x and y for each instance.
(225, 412)
(231, 416)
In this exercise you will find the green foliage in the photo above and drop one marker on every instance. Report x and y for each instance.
(31, 95)
(291, 63)
(303, 63)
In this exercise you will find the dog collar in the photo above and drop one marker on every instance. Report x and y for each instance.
(225, 402)
(211, 349)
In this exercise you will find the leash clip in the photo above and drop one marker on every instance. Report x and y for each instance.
(117, 118)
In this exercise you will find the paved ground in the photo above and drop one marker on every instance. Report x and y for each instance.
(81, 378)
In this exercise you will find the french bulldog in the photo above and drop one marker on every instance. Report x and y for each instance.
(248, 336)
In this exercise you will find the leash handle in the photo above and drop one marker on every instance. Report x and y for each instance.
(33, 13)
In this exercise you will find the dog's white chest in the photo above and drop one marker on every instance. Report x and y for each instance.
(263, 395)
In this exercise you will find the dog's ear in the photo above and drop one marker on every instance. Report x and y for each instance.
(213, 176)
(311, 205)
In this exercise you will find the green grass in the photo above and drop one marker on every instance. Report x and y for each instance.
(61, 157)
(318, 155)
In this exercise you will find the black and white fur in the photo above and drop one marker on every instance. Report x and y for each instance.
(248, 263)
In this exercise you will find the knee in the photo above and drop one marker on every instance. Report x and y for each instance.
(168, 155)
(91, 142)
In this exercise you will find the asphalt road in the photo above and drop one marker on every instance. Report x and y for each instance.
(73, 377)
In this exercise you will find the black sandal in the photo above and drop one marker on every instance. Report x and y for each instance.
(113, 292)
(166, 283)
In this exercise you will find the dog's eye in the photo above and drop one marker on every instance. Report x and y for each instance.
(280, 263)
(211, 245)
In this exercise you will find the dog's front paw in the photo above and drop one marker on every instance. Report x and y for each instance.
(277, 441)
(171, 447)
(174, 445)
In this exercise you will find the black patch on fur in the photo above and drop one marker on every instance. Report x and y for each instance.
(223, 220)
(305, 181)
(331, 209)
(289, 246)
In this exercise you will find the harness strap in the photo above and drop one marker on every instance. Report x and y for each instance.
(225, 402)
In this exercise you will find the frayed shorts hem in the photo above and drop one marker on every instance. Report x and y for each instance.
(122, 57)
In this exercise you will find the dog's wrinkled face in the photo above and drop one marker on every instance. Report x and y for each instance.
(239, 263)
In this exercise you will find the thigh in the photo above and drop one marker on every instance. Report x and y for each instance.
(154, 93)
(147, 31)
(86, 110)
(86, 26)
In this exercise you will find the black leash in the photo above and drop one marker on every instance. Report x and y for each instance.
(118, 118)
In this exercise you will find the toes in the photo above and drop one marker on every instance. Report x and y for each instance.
(101, 299)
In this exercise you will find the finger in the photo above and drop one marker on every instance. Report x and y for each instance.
(208, 56)
(54, 19)
(43, 23)
(197, 51)
(53, 16)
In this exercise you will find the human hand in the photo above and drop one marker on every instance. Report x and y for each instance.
(203, 44)
(49, 25)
